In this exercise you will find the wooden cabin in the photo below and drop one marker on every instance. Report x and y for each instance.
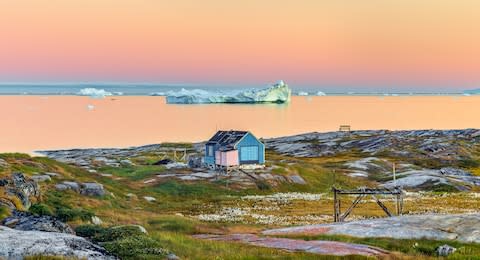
(234, 148)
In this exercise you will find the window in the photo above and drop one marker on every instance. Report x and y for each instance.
(249, 153)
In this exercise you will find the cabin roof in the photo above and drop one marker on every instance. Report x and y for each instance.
(227, 139)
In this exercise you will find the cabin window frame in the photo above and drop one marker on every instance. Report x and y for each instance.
(210, 150)
(247, 153)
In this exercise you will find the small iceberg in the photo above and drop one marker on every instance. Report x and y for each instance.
(471, 92)
(94, 92)
(277, 93)
(302, 93)
(320, 93)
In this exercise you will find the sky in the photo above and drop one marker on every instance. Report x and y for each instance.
(402, 44)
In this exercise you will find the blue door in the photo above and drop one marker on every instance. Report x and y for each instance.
(249, 153)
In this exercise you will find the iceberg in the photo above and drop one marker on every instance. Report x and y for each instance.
(94, 93)
(471, 92)
(320, 93)
(302, 93)
(277, 93)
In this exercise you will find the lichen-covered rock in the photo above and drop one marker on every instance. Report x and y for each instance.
(28, 222)
(16, 244)
(18, 188)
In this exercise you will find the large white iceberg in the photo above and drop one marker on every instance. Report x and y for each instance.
(277, 93)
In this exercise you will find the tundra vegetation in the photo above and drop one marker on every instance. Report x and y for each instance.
(174, 202)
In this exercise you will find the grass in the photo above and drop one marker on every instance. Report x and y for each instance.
(134, 173)
(173, 232)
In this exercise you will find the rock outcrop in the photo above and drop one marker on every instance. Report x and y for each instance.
(16, 245)
(314, 247)
(461, 227)
(423, 144)
(18, 188)
(28, 222)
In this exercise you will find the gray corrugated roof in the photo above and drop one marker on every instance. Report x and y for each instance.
(227, 139)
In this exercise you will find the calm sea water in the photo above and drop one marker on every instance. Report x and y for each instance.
(149, 89)
(30, 123)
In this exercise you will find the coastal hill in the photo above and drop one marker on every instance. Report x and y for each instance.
(157, 201)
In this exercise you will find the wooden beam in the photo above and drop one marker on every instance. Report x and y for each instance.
(382, 206)
(349, 210)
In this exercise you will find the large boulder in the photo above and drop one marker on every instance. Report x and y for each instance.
(28, 222)
(92, 189)
(16, 245)
(86, 188)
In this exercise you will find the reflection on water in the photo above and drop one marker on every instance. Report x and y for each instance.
(35, 122)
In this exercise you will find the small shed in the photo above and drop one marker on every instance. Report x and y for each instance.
(234, 148)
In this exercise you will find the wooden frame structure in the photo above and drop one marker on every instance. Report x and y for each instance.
(344, 128)
(362, 193)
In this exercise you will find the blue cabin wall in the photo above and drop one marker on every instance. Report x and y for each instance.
(209, 159)
(247, 141)
(250, 140)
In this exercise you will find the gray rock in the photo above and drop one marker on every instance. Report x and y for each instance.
(72, 185)
(41, 178)
(52, 174)
(126, 162)
(61, 187)
(445, 250)
(172, 256)
(297, 179)
(92, 189)
(28, 222)
(461, 227)
(18, 244)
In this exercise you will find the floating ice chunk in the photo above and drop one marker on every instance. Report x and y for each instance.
(278, 93)
(302, 93)
(90, 107)
(158, 94)
(320, 93)
(94, 93)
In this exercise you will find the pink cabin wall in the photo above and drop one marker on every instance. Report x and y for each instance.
(227, 158)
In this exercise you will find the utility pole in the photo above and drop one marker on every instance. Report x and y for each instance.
(394, 175)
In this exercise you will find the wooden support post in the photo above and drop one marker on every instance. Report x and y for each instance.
(397, 204)
(401, 204)
(336, 210)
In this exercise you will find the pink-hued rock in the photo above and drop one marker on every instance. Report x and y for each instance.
(461, 227)
(314, 246)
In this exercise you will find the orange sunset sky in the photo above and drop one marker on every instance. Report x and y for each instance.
(428, 44)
